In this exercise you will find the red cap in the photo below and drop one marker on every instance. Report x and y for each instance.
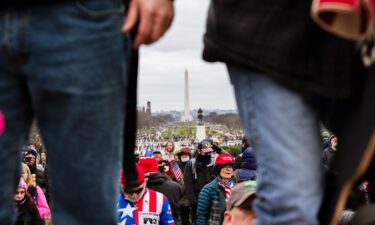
(149, 164)
(223, 159)
(140, 172)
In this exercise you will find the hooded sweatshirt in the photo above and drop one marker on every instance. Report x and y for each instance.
(172, 190)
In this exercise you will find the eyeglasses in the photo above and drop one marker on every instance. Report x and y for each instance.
(134, 191)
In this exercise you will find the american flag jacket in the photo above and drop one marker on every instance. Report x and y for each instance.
(152, 209)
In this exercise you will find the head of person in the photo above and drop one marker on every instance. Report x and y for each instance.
(333, 141)
(20, 194)
(164, 166)
(239, 209)
(223, 166)
(244, 144)
(134, 192)
(204, 152)
(184, 155)
(157, 155)
(43, 156)
(169, 146)
(26, 173)
(215, 141)
(196, 144)
(148, 164)
(30, 157)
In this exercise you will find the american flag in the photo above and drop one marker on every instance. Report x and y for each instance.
(176, 171)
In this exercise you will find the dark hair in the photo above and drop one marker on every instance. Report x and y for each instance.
(245, 142)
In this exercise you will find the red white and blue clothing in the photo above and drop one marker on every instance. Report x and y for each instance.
(153, 208)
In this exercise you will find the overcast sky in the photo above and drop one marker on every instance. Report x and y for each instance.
(162, 66)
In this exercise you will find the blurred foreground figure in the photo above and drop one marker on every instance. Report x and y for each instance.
(64, 64)
(288, 75)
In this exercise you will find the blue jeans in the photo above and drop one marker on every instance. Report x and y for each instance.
(64, 65)
(284, 132)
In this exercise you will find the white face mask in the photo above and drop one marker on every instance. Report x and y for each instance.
(185, 159)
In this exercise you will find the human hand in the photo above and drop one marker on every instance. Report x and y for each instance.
(153, 18)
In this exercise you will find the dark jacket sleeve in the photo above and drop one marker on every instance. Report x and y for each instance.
(189, 185)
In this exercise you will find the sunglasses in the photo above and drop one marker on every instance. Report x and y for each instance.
(134, 191)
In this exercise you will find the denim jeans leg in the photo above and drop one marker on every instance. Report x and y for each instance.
(73, 83)
(285, 135)
(16, 106)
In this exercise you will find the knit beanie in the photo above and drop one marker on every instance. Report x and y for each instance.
(248, 160)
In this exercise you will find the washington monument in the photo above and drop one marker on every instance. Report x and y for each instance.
(186, 117)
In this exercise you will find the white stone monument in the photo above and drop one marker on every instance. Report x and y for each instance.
(186, 117)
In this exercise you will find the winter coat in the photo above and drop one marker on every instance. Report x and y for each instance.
(152, 208)
(172, 190)
(211, 204)
(184, 201)
(279, 39)
(42, 205)
(27, 214)
(196, 175)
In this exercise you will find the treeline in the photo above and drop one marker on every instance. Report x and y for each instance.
(146, 121)
(230, 120)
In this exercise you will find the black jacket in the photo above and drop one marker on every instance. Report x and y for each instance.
(280, 39)
(193, 184)
(172, 190)
(28, 214)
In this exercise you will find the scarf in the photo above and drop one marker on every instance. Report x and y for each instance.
(226, 186)
(349, 19)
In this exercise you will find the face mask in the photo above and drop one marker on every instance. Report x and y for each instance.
(206, 159)
(185, 159)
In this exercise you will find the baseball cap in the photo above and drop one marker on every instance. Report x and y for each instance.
(140, 177)
(148, 164)
(205, 146)
(240, 193)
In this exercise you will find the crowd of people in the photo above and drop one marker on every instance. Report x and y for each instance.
(292, 64)
(196, 184)
(176, 186)
(33, 195)
(202, 185)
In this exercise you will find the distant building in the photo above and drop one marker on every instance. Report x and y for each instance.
(148, 109)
